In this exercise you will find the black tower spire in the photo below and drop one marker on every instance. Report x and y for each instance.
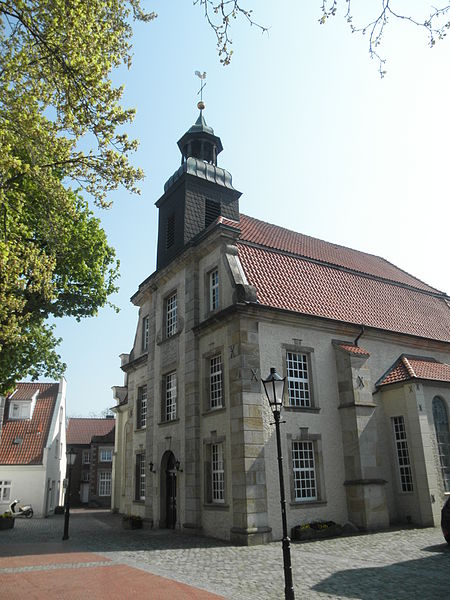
(196, 195)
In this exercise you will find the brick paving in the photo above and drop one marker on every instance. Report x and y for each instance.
(100, 560)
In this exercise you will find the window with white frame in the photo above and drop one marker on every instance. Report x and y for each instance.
(217, 474)
(140, 477)
(105, 455)
(303, 463)
(214, 290)
(142, 407)
(5, 490)
(298, 379)
(104, 483)
(145, 332)
(171, 315)
(401, 446)
(85, 475)
(20, 410)
(86, 457)
(169, 412)
(215, 382)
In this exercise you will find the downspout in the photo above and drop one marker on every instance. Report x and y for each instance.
(359, 335)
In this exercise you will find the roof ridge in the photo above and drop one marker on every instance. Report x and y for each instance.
(356, 272)
(363, 269)
(408, 366)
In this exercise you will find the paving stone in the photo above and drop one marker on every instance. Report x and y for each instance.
(389, 565)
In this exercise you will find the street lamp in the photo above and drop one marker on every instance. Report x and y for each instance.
(274, 388)
(71, 456)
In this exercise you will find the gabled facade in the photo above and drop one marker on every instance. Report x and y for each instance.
(233, 296)
(33, 446)
(93, 442)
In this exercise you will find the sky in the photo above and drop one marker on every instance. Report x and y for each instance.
(315, 140)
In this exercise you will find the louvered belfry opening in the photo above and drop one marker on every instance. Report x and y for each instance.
(212, 211)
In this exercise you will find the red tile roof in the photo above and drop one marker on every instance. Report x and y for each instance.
(295, 272)
(415, 367)
(81, 431)
(278, 238)
(33, 432)
(352, 349)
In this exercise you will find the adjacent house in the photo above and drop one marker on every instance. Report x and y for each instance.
(91, 479)
(364, 347)
(33, 446)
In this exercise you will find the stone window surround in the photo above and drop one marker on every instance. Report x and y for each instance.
(207, 356)
(303, 435)
(309, 351)
(208, 504)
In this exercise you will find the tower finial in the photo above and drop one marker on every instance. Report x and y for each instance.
(202, 77)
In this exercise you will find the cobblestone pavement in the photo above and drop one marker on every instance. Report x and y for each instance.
(392, 565)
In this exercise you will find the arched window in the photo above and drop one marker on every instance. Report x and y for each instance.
(440, 417)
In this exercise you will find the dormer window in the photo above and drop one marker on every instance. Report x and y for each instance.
(21, 410)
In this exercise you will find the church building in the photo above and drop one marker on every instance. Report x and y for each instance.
(364, 347)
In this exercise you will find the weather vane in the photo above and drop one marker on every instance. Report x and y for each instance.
(202, 77)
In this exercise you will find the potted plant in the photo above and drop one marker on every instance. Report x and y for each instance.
(316, 530)
(6, 520)
(132, 522)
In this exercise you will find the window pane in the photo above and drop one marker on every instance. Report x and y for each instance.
(401, 444)
(215, 381)
(145, 330)
(171, 315)
(298, 379)
(440, 417)
(218, 482)
(142, 407)
(214, 290)
(171, 397)
(304, 471)
(104, 483)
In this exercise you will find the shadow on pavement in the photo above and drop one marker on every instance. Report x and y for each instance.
(401, 580)
(93, 531)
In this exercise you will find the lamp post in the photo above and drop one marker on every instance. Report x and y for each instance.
(274, 388)
(71, 456)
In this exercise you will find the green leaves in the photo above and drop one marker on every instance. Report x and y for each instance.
(61, 129)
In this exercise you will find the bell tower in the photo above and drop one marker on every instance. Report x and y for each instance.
(197, 193)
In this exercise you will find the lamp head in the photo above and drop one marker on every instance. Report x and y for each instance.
(274, 388)
(71, 456)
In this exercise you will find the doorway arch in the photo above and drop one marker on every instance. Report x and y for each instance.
(168, 487)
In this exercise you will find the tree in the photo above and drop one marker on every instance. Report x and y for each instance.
(435, 21)
(61, 133)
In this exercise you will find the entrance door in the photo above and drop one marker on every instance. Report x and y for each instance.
(171, 493)
(84, 493)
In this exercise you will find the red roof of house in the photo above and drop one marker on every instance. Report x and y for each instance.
(22, 441)
(415, 367)
(81, 431)
(295, 272)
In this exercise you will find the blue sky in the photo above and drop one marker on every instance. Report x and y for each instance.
(312, 136)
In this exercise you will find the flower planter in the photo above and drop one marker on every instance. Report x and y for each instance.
(315, 531)
(132, 523)
(6, 523)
